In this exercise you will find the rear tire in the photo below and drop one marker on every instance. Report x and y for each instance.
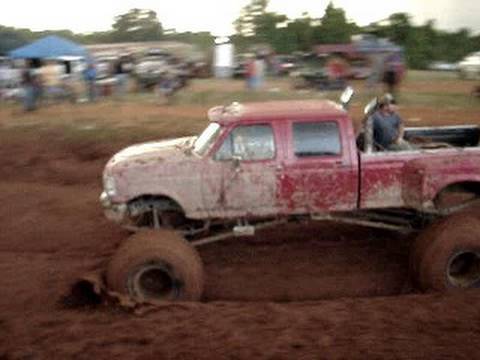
(417, 253)
(156, 265)
(447, 254)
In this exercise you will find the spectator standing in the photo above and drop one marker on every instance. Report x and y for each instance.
(377, 65)
(166, 86)
(90, 76)
(250, 73)
(51, 75)
(259, 72)
(337, 70)
(121, 78)
(392, 73)
(31, 90)
(4, 76)
(476, 91)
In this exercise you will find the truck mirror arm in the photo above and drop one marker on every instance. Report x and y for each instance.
(236, 160)
(368, 134)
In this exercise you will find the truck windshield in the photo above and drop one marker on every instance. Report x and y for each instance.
(206, 139)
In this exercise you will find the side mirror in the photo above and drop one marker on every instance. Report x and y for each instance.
(236, 160)
(346, 96)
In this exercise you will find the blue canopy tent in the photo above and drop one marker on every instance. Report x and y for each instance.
(50, 47)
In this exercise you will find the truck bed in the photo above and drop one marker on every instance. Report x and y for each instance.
(458, 136)
(413, 178)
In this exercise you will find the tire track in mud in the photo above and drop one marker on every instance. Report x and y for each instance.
(402, 327)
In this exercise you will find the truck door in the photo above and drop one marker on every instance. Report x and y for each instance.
(320, 173)
(248, 157)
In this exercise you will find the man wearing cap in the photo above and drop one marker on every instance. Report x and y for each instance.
(388, 127)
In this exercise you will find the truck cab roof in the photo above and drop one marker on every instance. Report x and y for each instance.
(271, 110)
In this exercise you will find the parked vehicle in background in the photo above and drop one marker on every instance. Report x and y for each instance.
(105, 79)
(469, 67)
(314, 73)
(198, 68)
(360, 68)
(104, 65)
(151, 69)
(443, 66)
(240, 63)
(10, 80)
(366, 55)
(285, 64)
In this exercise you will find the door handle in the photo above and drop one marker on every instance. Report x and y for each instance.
(280, 170)
(342, 164)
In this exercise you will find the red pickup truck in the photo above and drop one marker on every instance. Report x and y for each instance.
(264, 164)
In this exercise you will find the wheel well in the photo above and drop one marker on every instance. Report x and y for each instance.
(467, 187)
(145, 203)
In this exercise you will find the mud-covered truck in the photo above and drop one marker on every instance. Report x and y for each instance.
(264, 164)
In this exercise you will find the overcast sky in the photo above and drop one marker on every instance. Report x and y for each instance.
(217, 15)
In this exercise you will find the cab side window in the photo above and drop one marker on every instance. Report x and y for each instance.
(249, 142)
(316, 139)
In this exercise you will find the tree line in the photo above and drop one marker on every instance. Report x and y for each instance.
(135, 25)
(257, 26)
(423, 44)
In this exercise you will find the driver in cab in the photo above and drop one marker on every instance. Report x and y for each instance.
(388, 126)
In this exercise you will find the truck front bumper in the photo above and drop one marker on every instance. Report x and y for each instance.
(114, 212)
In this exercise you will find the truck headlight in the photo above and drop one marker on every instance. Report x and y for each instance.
(109, 185)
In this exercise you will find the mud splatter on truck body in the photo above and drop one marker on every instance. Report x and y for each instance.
(261, 160)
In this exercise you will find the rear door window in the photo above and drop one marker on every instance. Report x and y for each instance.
(316, 139)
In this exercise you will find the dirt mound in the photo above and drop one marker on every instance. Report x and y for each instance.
(52, 158)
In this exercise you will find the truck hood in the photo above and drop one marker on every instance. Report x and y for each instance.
(172, 150)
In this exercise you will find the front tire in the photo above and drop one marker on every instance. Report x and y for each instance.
(156, 265)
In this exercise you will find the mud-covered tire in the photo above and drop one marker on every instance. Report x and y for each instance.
(447, 254)
(156, 265)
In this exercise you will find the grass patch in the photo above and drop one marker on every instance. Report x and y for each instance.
(139, 117)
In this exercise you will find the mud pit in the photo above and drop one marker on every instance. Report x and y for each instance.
(329, 292)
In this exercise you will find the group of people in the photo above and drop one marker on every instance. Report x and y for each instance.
(52, 81)
(49, 80)
(118, 80)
